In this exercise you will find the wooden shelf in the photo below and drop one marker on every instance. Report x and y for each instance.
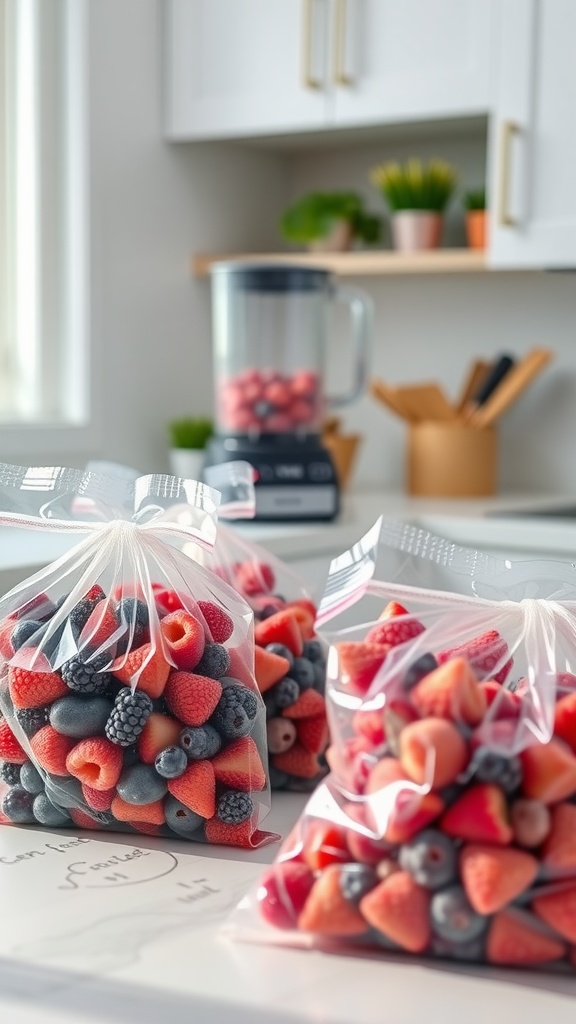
(438, 261)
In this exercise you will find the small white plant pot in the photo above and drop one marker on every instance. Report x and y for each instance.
(187, 463)
(413, 230)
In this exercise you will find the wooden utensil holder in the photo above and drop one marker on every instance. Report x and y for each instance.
(452, 460)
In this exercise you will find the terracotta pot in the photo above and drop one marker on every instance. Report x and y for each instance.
(187, 463)
(413, 230)
(338, 240)
(476, 228)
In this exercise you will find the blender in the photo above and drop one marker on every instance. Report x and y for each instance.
(271, 342)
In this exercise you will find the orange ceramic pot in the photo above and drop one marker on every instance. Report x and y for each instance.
(476, 228)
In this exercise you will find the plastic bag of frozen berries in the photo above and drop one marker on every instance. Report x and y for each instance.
(447, 826)
(290, 659)
(127, 692)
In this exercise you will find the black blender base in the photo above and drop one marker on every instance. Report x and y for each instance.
(295, 479)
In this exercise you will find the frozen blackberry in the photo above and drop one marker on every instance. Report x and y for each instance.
(84, 674)
(236, 712)
(418, 669)
(23, 631)
(286, 692)
(491, 767)
(133, 616)
(128, 716)
(31, 720)
(17, 806)
(82, 611)
(215, 662)
(10, 773)
(234, 807)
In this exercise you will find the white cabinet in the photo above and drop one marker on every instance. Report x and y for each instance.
(533, 146)
(240, 68)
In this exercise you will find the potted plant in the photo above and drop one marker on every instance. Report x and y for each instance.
(475, 206)
(329, 222)
(417, 195)
(189, 436)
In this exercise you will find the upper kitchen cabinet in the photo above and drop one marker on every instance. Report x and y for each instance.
(241, 68)
(533, 148)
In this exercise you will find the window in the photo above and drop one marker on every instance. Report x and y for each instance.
(43, 213)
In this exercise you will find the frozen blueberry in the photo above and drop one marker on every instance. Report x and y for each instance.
(180, 818)
(31, 779)
(453, 918)
(171, 762)
(272, 708)
(23, 631)
(215, 662)
(418, 669)
(10, 773)
(200, 742)
(492, 767)
(236, 712)
(64, 792)
(132, 609)
(430, 858)
(80, 716)
(472, 951)
(234, 807)
(319, 676)
(356, 880)
(31, 720)
(278, 779)
(140, 784)
(286, 692)
(47, 814)
(281, 650)
(17, 806)
(313, 651)
(303, 671)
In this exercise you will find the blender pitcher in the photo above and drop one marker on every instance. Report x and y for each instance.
(271, 345)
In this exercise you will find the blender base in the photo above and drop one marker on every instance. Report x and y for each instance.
(295, 478)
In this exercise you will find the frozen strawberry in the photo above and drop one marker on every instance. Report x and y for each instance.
(32, 688)
(383, 773)
(432, 751)
(395, 628)
(297, 761)
(485, 653)
(196, 788)
(494, 876)
(51, 750)
(147, 667)
(559, 851)
(309, 703)
(549, 771)
(269, 668)
(399, 908)
(218, 621)
(392, 611)
(184, 637)
(152, 813)
(166, 600)
(82, 819)
(10, 749)
(370, 724)
(159, 732)
(242, 664)
(351, 761)
(306, 604)
(515, 937)
(282, 893)
(313, 733)
(244, 835)
(281, 628)
(531, 822)
(239, 766)
(363, 846)
(565, 719)
(252, 578)
(358, 663)
(102, 627)
(409, 813)
(479, 815)
(558, 910)
(6, 630)
(98, 799)
(192, 698)
(326, 911)
(95, 761)
(324, 844)
(503, 702)
(450, 691)
(146, 828)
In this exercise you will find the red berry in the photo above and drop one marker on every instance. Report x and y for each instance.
(10, 749)
(485, 653)
(252, 578)
(95, 761)
(196, 788)
(283, 891)
(192, 698)
(218, 621)
(32, 688)
(147, 667)
(51, 750)
(184, 637)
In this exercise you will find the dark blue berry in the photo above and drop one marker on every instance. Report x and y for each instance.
(84, 673)
(80, 716)
(313, 651)
(453, 918)
(10, 773)
(215, 661)
(286, 692)
(171, 762)
(132, 609)
(282, 651)
(23, 631)
(234, 807)
(83, 609)
(303, 671)
(30, 778)
(64, 792)
(418, 669)
(140, 784)
(271, 706)
(356, 880)
(491, 767)
(128, 716)
(17, 806)
(49, 644)
(180, 818)
(200, 742)
(473, 951)
(46, 813)
(31, 720)
(278, 779)
(130, 755)
(431, 858)
(236, 712)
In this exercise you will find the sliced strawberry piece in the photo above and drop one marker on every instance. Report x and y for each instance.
(358, 663)
(304, 619)
(479, 815)
(432, 752)
(450, 691)
(281, 628)
(239, 766)
(283, 891)
(494, 876)
(297, 761)
(399, 908)
(147, 667)
(326, 911)
(152, 814)
(196, 788)
(159, 732)
(324, 844)
(558, 910)
(549, 771)
(51, 750)
(6, 630)
(269, 668)
(517, 938)
(309, 703)
(559, 851)
(313, 733)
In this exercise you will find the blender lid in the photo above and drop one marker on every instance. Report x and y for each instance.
(273, 277)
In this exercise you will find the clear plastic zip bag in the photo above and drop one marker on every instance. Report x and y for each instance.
(127, 683)
(447, 826)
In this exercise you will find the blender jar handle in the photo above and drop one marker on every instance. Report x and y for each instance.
(361, 311)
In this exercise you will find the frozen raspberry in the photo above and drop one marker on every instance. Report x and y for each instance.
(234, 807)
(128, 717)
(84, 674)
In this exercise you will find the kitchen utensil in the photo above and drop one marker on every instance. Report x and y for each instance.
(425, 402)
(511, 387)
(476, 374)
(488, 385)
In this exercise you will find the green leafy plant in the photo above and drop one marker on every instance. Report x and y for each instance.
(312, 217)
(190, 432)
(416, 186)
(475, 199)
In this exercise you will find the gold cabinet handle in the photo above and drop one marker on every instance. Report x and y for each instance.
(308, 80)
(509, 130)
(340, 75)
